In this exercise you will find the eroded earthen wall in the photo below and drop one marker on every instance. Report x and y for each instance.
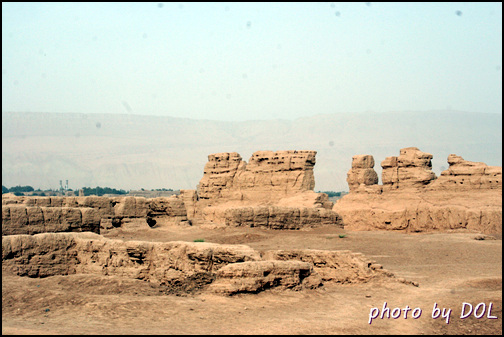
(467, 196)
(274, 189)
(31, 215)
(266, 176)
(184, 266)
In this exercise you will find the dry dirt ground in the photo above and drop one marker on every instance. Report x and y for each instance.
(451, 268)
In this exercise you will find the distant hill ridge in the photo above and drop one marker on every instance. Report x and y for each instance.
(133, 151)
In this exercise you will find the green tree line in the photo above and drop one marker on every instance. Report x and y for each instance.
(17, 189)
(99, 191)
(332, 193)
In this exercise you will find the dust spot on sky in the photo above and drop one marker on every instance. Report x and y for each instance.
(249, 24)
(160, 5)
(337, 13)
(331, 143)
(98, 125)
(459, 13)
(127, 106)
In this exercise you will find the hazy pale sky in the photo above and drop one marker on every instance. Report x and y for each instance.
(244, 61)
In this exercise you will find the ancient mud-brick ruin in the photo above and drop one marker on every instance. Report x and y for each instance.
(273, 190)
(467, 196)
(185, 266)
(266, 176)
(32, 215)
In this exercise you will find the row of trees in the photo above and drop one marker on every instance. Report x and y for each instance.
(333, 194)
(17, 189)
(99, 191)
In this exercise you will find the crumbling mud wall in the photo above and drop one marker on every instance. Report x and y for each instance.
(267, 176)
(411, 169)
(275, 217)
(31, 215)
(467, 196)
(273, 190)
(467, 175)
(185, 266)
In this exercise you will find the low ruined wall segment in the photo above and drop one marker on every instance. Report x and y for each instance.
(274, 217)
(185, 266)
(32, 215)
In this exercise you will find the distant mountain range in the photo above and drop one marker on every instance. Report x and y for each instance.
(132, 151)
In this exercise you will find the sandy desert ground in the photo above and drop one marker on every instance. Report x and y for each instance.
(451, 268)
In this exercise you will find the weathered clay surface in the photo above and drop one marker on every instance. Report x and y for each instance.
(423, 211)
(466, 175)
(273, 190)
(167, 263)
(362, 172)
(219, 174)
(268, 175)
(183, 266)
(413, 168)
(31, 215)
(467, 196)
(275, 217)
(190, 198)
(256, 276)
